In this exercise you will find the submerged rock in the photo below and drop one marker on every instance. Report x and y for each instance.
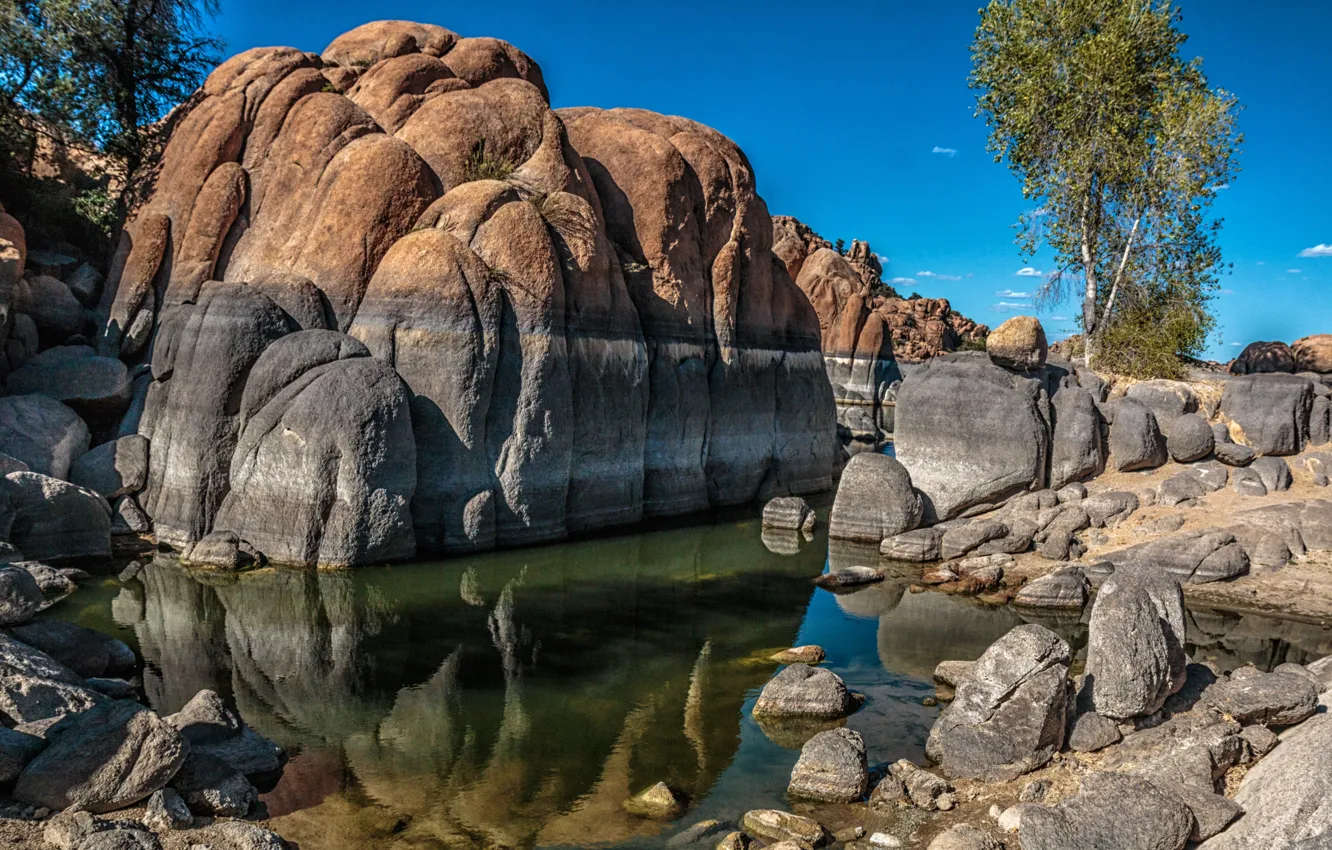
(849, 577)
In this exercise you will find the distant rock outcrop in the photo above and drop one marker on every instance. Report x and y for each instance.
(498, 324)
(865, 325)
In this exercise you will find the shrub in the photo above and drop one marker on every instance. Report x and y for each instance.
(483, 166)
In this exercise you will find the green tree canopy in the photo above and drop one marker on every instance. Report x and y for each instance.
(1123, 145)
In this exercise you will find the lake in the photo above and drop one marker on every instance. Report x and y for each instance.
(516, 699)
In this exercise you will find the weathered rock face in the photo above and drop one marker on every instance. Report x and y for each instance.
(1076, 450)
(42, 433)
(55, 520)
(1313, 353)
(832, 768)
(1135, 438)
(1009, 715)
(1135, 648)
(971, 433)
(573, 320)
(1269, 413)
(875, 500)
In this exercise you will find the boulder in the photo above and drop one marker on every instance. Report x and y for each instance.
(1197, 557)
(212, 787)
(167, 811)
(922, 788)
(1269, 413)
(801, 691)
(1008, 718)
(849, 577)
(1018, 343)
(110, 756)
(20, 596)
(832, 768)
(1233, 454)
(1277, 698)
(772, 826)
(1110, 810)
(41, 433)
(1135, 439)
(658, 802)
(1247, 482)
(970, 433)
(1076, 451)
(874, 500)
(128, 518)
(968, 536)
(1263, 357)
(1106, 510)
(96, 388)
(1067, 588)
(1320, 421)
(55, 520)
(55, 310)
(311, 396)
(1179, 488)
(206, 719)
(788, 512)
(113, 469)
(964, 837)
(87, 652)
(86, 284)
(1313, 353)
(1091, 732)
(919, 546)
(1286, 797)
(1190, 438)
(809, 654)
(1135, 644)
(1168, 401)
(16, 750)
(1274, 472)
(117, 838)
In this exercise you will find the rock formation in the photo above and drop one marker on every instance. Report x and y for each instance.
(866, 328)
(393, 303)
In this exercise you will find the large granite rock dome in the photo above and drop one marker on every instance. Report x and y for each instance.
(577, 317)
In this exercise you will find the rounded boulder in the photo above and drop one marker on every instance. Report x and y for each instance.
(1190, 439)
(874, 500)
(1018, 343)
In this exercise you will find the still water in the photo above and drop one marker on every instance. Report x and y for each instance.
(516, 699)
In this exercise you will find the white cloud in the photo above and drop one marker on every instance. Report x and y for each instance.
(1293, 271)
(945, 151)
(902, 281)
(1236, 344)
(1221, 187)
(1010, 306)
(883, 259)
(1262, 262)
(1227, 292)
(938, 276)
(1319, 250)
(1060, 319)
(1008, 293)
(1028, 271)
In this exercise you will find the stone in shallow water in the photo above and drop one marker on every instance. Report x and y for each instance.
(657, 802)
(1065, 588)
(803, 691)
(800, 655)
(772, 825)
(832, 768)
(918, 546)
(788, 512)
(849, 577)
(874, 500)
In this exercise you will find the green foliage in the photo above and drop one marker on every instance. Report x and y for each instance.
(971, 345)
(1123, 145)
(483, 166)
(884, 290)
(840, 247)
(97, 207)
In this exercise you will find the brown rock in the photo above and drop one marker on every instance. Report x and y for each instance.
(1313, 353)
(1018, 343)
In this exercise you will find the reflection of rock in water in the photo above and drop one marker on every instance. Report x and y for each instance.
(926, 628)
(599, 670)
(781, 541)
(1233, 640)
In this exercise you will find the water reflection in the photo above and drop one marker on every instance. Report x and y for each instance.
(516, 699)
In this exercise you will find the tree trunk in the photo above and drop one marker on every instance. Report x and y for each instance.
(1089, 326)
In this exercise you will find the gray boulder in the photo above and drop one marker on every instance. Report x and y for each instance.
(849, 577)
(96, 388)
(311, 396)
(212, 787)
(1135, 645)
(238, 835)
(87, 652)
(55, 311)
(86, 284)
(1274, 472)
(1092, 732)
(832, 768)
(1247, 482)
(206, 719)
(1008, 718)
(1135, 438)
(1168, 401)
(1320, 467)
(1320, 421)
(1260, 357)
(919, 546)
(167, 811)
(1067, 588)
(117, 468)
(1110, 812)
(1107, 510)
(128, 518)
(55, 520)
(805, 692)
(874, 500)
(31, 699)
(1271, 411)
(1233, 454)
(1190, 438)
(110, 756)
(1197, 557)
(118, 838)
(1286, 797)
(20, 596)
(788, 512)
(1277, 698)
(1181, 487)
(964, 836)
(971, 433)
(1075, 448)
(16, 750)
(968, 536)
(41, 433)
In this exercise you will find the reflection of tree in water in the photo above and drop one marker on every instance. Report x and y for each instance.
(524, 721)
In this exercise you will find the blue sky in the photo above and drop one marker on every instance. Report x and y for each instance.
(858, 120)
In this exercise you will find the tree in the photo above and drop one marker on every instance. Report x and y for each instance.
(1123, 145)
(97, 74)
